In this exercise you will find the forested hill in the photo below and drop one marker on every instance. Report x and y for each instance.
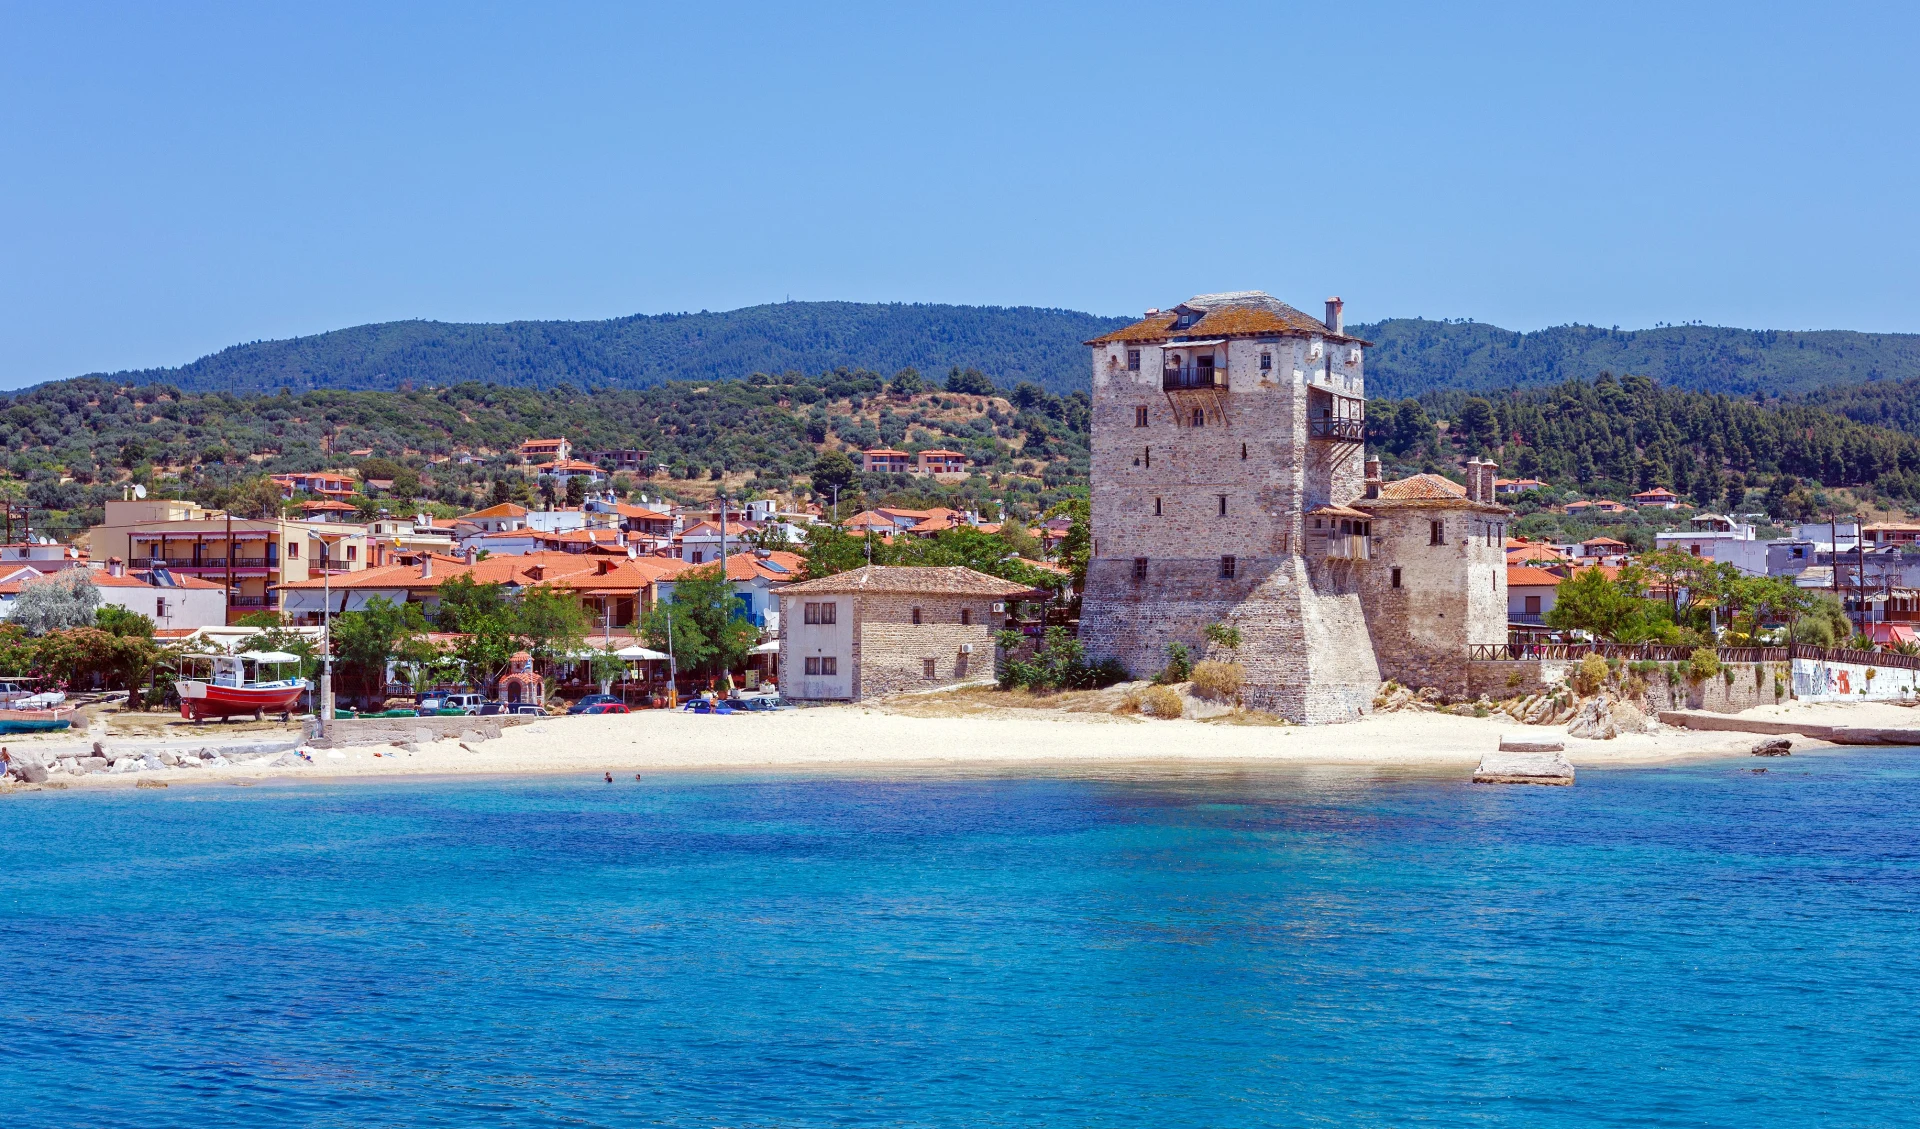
(1412, 356)
(1009, 343)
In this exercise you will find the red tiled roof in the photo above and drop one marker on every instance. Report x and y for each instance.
(504, 509)
(1522, 576)
(1423, 487)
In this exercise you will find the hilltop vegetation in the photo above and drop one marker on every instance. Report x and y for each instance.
(1012, 344)
(1412, 356)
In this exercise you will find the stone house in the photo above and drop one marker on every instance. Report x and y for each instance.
(1229, 486)
(882, 629)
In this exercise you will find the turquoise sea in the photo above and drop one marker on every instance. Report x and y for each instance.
(1694, 946)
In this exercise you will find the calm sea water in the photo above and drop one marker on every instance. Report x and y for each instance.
(1683, 946)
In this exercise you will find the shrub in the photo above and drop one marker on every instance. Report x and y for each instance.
(1059, 664)
(1160, 701)
(1727, 675)
(1179, 666)
(1513, 680)
(1590, 675)
(1218, 681)
(1704, 664)
(1223, 635)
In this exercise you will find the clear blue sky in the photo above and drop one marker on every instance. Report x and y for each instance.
(179, 177)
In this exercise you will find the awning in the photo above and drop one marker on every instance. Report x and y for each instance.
(270, 656)
(638, 654)
(770, 647)
(1207, 344)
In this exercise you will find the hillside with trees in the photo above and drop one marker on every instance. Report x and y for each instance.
(1412, 356)
(1012, 344)
(72, 444)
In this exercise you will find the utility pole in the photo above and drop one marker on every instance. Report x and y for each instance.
(326, 644)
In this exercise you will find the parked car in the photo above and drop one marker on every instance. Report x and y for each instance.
(489, 709)
(450, 704)
(697, 705)
(527, 708)
(604, 707)
(586, 704)
(765, 703)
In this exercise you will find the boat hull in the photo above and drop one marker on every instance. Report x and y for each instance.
(201, 699)
(33, 721)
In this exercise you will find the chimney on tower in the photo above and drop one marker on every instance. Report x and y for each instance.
(1473, 479)
(1334, 320)
(1486, 480)
(1373, 477)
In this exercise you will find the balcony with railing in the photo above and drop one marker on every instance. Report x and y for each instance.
(1338, 429)
(204, 563)
(1180, 378)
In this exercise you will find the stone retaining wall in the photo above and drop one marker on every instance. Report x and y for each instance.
(394, 730)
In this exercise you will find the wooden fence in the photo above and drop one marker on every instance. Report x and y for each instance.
(1654, 652)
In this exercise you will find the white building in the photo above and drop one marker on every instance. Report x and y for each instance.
(1719, 539)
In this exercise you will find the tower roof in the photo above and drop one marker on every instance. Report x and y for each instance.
(1233, 313)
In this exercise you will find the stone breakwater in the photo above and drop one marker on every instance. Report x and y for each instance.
(31, 765)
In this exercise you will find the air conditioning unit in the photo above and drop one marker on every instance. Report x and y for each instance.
(999, 607)
(966, 648)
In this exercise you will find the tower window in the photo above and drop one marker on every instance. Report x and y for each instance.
(966, 617)
(1199, 417)
(1139, 568)
(916, 615)
(1156, 507)
(1223, 504)
(1266, 362)
(1133, 360)
(1396, 578)
(928, 668)
(1227, 565)
(1140, 416)
(1436, 533)
(1146, 456)
(1243, 452)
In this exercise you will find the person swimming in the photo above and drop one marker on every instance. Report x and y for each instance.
(609, 777)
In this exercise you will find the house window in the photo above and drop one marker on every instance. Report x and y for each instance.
(1266, 362)
(824, 613)
(813, 664)
(1139, 568)
(1226, 568)
(1140, 416)
(1133, 361)
(1396, 578)
(1436, 533)
(1533, 605)
(353, 552)
(929, 668)
(1156, 507)
(1199, 417)
(160, 607)
(1223, 504)
(829, 665)
(916, 615)
(1243, 452)
(293, 550)
(966, 617)
(699, 557)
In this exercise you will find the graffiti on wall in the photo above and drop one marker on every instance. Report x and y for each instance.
(1815, 680)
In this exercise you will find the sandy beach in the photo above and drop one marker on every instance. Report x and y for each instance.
(900, 735)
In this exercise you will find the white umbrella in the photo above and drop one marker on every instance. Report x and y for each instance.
(636, 653)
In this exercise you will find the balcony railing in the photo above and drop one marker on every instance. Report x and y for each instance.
(1174, 379)
(252, 602)
(1338, 429)
(204, 562)
(1349, 547)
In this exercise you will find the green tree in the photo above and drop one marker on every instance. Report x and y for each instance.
(406, 485)
(256, 497)
(831, 469)
(1479, 428)
(725, 637)
(116, 620)
(907, 382)
(551, 624)
(364, 641)
(971, 382)
(1076, 550)
(576, 491)
(829, 550)
(1608, 608)
(1413, 430)
(499, 495)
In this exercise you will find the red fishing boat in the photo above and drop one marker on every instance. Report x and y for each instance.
(239, 685)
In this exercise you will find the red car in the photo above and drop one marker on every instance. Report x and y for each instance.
(607, 707)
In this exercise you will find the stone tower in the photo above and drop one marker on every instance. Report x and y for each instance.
(1221, 428)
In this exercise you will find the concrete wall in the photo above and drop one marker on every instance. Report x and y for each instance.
(800, 640)
(1815, 680)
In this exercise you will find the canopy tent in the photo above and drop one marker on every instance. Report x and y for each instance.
(640, 654)
(270, 656)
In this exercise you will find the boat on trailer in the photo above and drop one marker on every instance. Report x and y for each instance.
(248, 684)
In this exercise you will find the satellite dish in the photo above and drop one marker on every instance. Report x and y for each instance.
(139, 491)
